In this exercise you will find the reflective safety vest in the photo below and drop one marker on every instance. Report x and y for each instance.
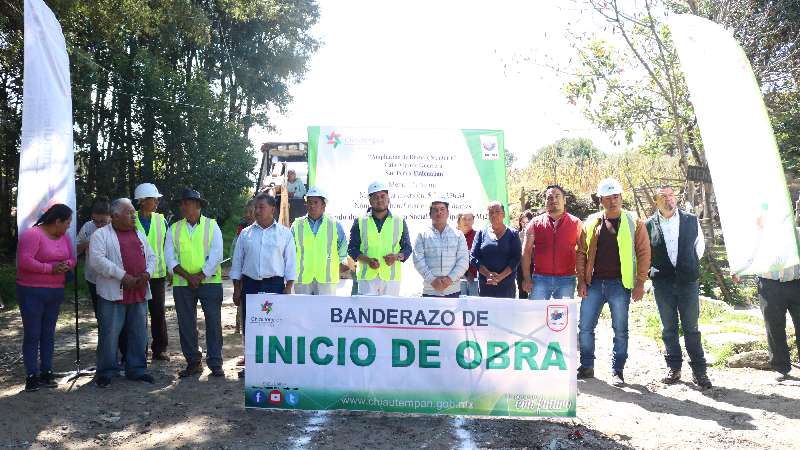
(627, 252)
(377, 244)
(156, 237)
(192, 250)
(317, 254)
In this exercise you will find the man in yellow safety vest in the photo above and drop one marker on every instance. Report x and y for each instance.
(379, 242)
(612, 263)
(154, 226)
(321, 248)
(193, 253)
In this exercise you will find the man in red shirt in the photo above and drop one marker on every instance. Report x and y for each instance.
(123, 262)
(554, 237)
(469, 285)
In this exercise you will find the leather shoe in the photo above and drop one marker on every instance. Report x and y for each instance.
(673, 376)
(191, 369)
(160, 356)
(47, 379)
(103, 382)
(701, 379)
(217, 372)
(585, 372)
(146, 377)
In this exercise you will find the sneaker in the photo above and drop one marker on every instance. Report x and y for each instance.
(217, 372)
(146, 377)
(47, 379)
(672, 377)
(780, 376)
(31, 383)
(585, 372)
(701, 380)
(617, 379)
(191, 369)
(102, 382)
(160, 356)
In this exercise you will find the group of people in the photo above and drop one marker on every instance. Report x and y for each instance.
(606, 258)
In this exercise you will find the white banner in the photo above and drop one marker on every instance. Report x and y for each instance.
(450, 356)
(749, 184)
(465, 166)
(46, 162)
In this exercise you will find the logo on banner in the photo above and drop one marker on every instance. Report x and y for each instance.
(275, 397)
(490, 150)
(259, 397)
(266, 308)
(557, 317)
(292, 398)
(334, 139)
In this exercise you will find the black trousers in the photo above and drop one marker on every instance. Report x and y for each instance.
(776, 299)
(158, 319)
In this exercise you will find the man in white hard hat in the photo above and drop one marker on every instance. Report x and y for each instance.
(379, 242)
(440, 254)
(320, 246)
(154, 226)
(612, 264)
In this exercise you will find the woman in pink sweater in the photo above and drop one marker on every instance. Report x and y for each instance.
(44, 255)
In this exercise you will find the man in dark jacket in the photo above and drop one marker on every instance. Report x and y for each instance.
(677, 244)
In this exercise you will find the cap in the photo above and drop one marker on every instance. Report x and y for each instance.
(191, 194)
(146, 190)
(440, 199)
(314, 191)
(608, 186)
(376, 186)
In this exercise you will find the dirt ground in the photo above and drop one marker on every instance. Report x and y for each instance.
(745, 409)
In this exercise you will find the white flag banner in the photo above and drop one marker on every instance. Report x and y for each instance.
(46, 164)
(754, 204)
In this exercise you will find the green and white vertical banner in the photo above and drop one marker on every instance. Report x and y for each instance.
(465, 166)
(754, 204)
(467, 356)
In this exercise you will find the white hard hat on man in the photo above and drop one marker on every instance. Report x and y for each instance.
(377, 186)
(608, 186)
(315, 191)
(146, 190)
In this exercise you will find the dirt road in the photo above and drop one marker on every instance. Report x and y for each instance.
(745, 409)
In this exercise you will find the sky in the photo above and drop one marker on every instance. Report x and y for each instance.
(443, 64)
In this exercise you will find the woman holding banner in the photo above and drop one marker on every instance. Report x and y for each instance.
(44, 255)
(496, 253)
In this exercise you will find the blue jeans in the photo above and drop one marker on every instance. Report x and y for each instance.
(39, 309)
(469, 288)
(272, 285)
(210, 296)
(111, 318)
(618, 298)
(675, 298)
(546, 287)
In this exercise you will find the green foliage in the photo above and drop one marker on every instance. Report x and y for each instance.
(163, 91)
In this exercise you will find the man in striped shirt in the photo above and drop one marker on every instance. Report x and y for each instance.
(440, 254)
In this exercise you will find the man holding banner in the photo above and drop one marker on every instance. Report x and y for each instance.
(379, 242)
(320, 247)
(612, 265)
(440, 254)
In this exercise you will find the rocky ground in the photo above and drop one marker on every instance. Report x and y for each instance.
(745, 409)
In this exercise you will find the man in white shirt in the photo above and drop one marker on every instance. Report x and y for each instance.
(676, 242)
(193, 253)
(440, 254)
(264, 258)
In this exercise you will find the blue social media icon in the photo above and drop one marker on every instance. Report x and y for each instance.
(259, 397)
(292, 398)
